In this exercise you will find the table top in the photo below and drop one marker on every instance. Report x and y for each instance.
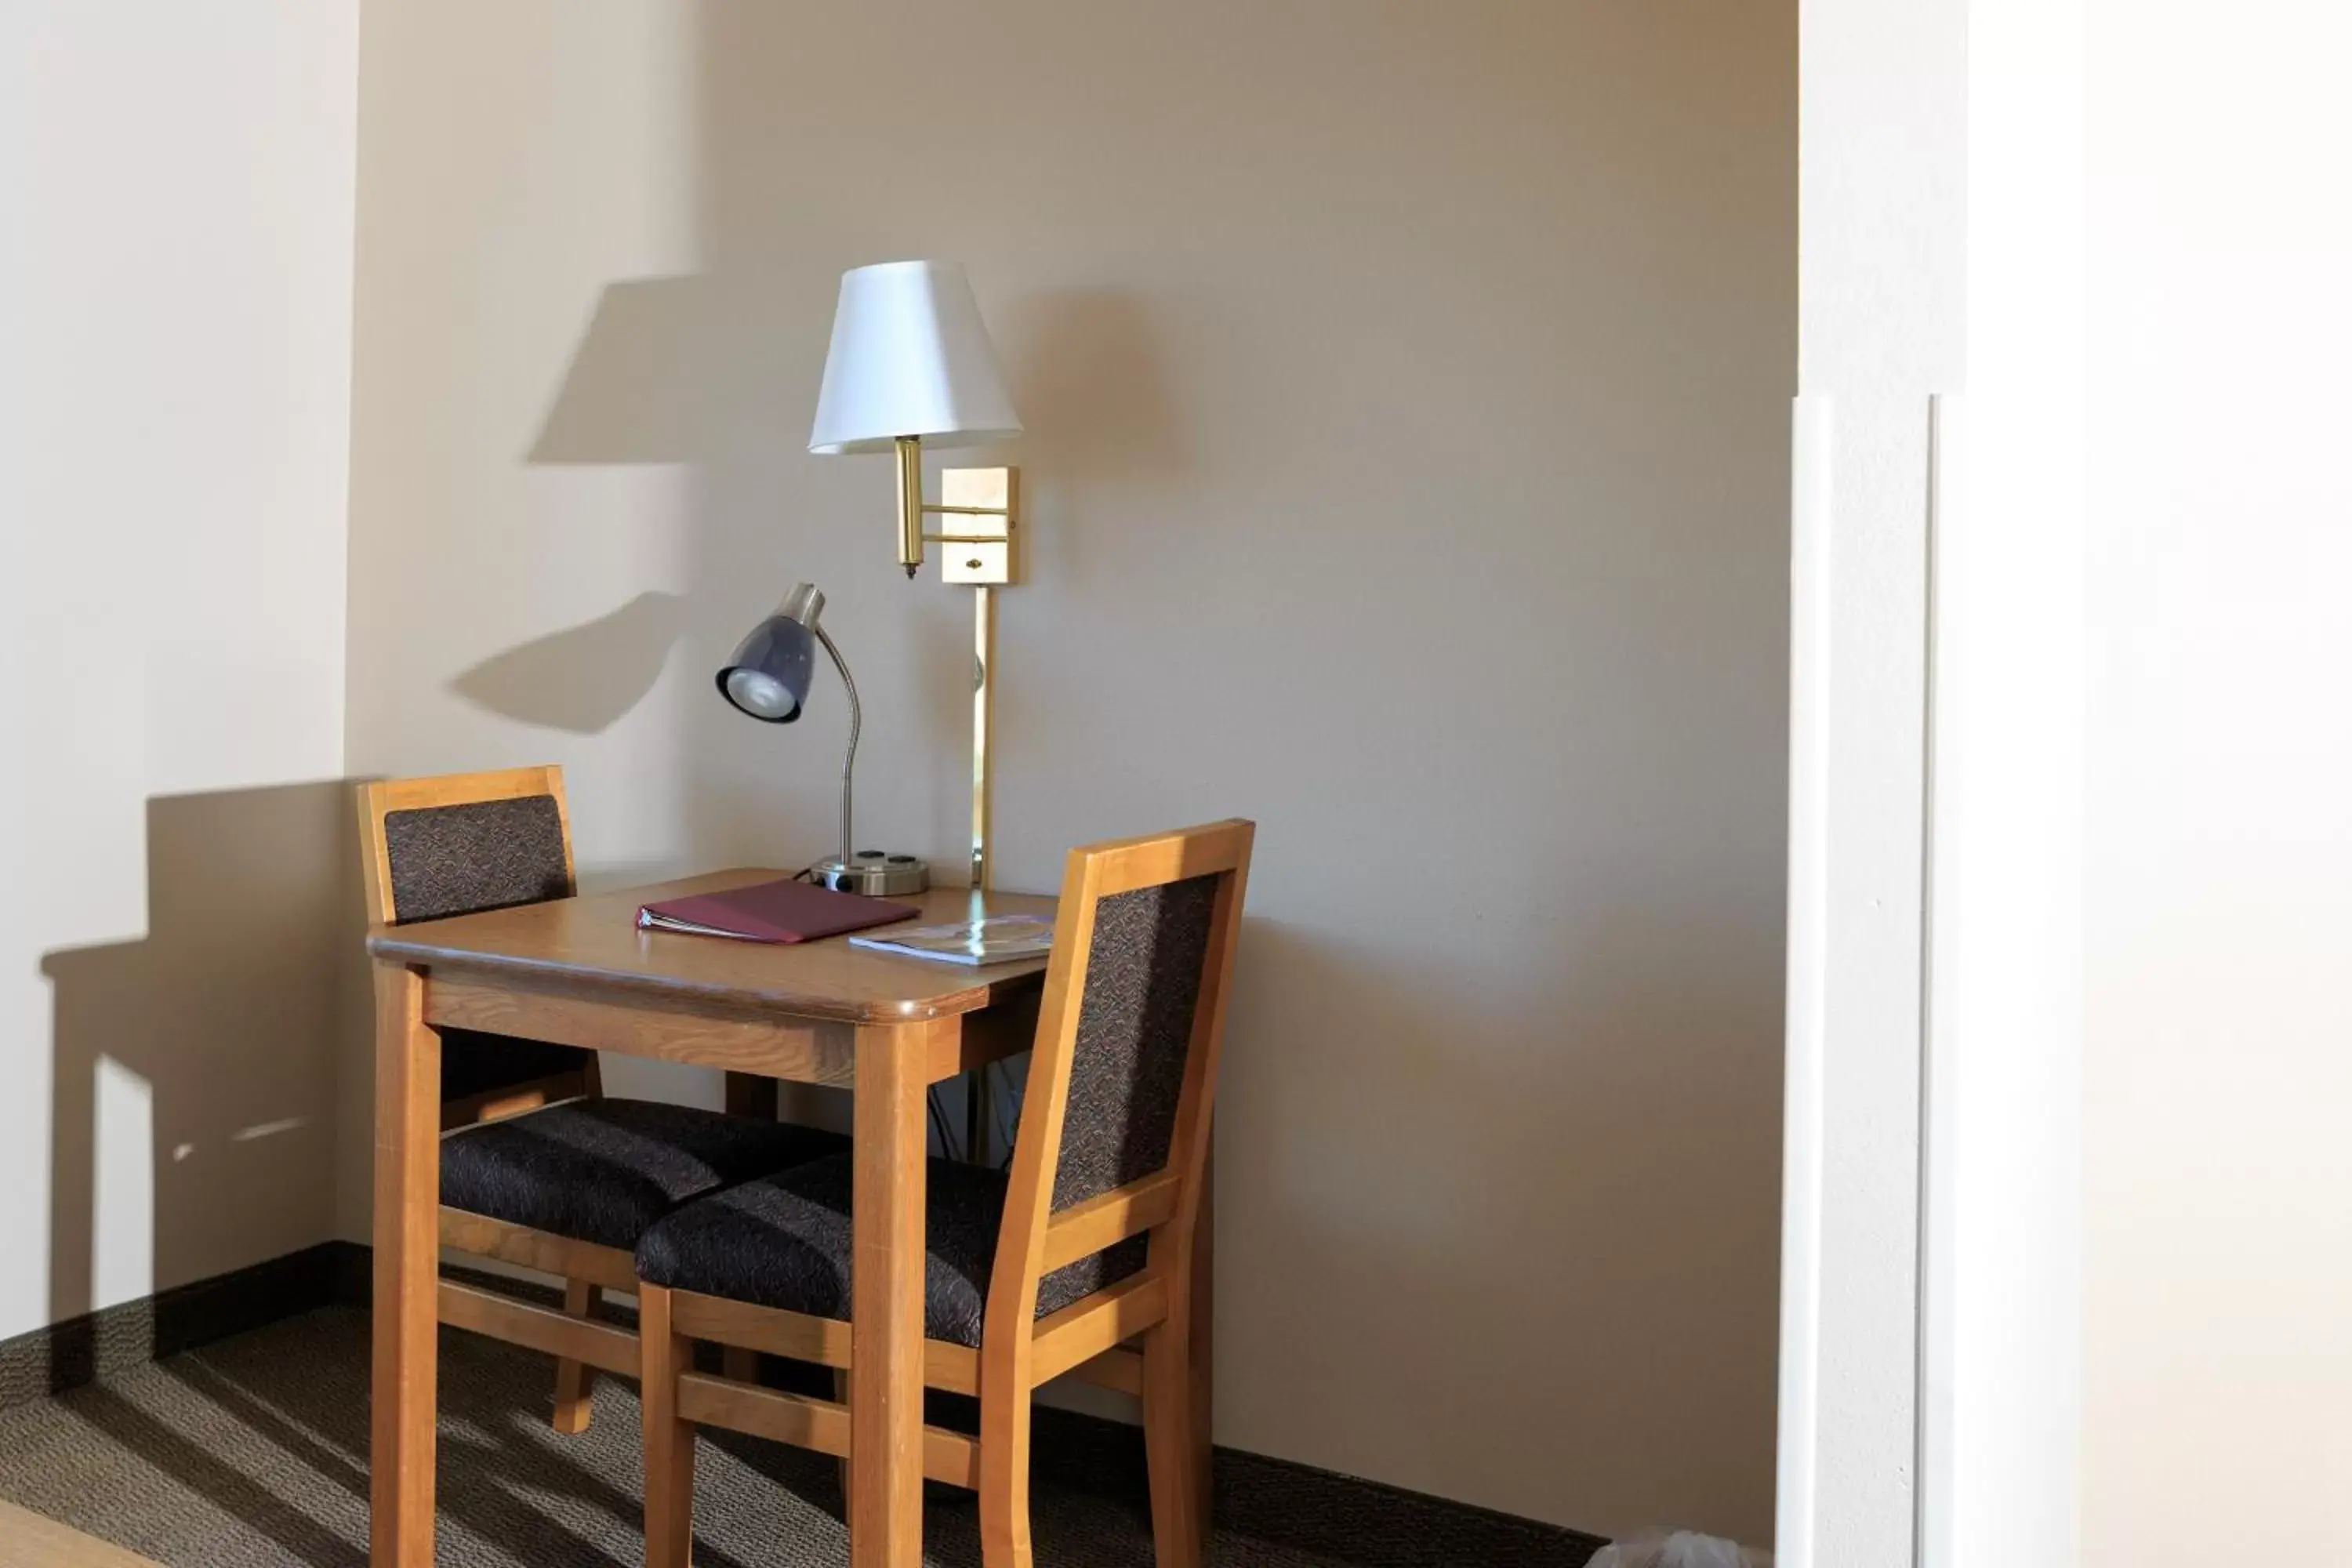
(593, 942)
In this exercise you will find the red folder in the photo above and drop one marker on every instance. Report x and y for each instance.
(782, 911)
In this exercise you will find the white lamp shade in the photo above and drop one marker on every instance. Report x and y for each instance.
(910, 357)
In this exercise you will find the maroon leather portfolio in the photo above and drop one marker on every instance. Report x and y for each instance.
(782, 911)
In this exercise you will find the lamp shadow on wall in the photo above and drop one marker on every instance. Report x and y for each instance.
(583, 679)
(638, 388)
(1089, 371)
(638, 392)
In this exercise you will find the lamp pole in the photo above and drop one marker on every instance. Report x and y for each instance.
(981, 553)
(983, 691)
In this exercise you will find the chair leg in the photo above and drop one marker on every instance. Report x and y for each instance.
(1203, 1364)
(841, 1393)
(1172, 1446)
(669, 1441)
(576, 1381)
(1004, 1477)
(739, 1365)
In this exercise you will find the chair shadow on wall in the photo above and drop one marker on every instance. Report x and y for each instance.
(202, 1077)
(193, 1106)
(194, 1068)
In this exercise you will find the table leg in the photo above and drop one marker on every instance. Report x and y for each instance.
(886, 1335)
(975, 1115)
(407, 1272)
(760, 1098)
(753, 1095)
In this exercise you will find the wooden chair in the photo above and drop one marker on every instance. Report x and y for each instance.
(538, 1167)
(1087, 1244)
(464, 843)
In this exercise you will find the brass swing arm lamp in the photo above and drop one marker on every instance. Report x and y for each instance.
(910, 361)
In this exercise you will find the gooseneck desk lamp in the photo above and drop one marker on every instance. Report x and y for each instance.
(911, 362)
(769, 679)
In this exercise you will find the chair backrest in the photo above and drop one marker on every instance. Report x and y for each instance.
(464, 843)
(1123, 1076)
(459, 845)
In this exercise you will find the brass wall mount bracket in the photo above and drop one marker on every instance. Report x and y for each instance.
(984, 549)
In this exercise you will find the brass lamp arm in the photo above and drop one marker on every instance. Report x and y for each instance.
(913, 508)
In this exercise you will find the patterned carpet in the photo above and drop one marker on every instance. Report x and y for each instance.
(251, 1453)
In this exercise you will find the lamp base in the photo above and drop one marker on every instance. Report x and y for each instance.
(873, 872)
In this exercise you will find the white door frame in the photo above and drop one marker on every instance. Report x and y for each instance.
(1994, 1411)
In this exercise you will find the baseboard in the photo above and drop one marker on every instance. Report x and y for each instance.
(355, 1273)
(1278, 1502)
(116, 1339)
(1317, 1512)
(1332, 1515)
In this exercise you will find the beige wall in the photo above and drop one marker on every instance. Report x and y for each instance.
(1407, 395)
(175, 275)
(2218, 1082)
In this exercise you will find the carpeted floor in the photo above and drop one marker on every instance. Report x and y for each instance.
(251, 1453)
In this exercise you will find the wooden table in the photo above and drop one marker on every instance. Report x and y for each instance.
(577, 972)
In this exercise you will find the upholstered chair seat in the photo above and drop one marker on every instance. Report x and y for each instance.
(783, 1241)
(603, 1170)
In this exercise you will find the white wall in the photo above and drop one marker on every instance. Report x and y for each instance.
(174, 332)
(2219, 1067)
(1407, 392)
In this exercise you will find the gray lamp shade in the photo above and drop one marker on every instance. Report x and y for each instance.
(769, 675)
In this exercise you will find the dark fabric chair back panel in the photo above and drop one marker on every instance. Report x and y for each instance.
(1135, 1031)
(484, 854)
(460, 860)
